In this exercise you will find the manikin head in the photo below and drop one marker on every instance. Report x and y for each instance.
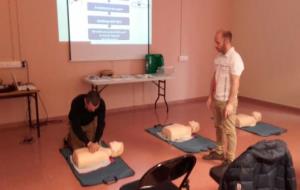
(195, 126)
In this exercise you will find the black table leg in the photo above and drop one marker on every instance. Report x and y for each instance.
(161, 91)
(37, 114)
(29, 111)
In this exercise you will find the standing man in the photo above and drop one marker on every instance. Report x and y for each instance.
(87, 120)
(223, 96)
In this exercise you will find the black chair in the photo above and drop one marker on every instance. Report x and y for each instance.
(160, 176)
(217, 172)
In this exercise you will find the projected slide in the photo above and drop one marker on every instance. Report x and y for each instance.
(109, 21)
(105, 29)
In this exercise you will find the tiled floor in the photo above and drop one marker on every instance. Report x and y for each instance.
(40, 166)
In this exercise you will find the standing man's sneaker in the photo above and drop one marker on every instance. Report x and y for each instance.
(213, 155)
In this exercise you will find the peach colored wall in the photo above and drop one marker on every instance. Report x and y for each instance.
(267, 36)
(59, 80)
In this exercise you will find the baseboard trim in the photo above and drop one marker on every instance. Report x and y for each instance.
(159, 105)
(285, 108)
(43, 122)
(110, 111)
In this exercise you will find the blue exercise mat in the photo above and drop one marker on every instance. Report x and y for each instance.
(194, 145)
(264, 129)
(118, 169)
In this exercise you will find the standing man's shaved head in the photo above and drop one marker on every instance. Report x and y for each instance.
(223, 40)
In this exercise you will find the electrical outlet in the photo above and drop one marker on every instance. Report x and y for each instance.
(11, 64)
(183, 58)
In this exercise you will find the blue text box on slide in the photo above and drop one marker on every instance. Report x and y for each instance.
(108, 20)
(107, 7)
(115, 34)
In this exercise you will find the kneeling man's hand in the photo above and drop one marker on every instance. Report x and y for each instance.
(93, 147)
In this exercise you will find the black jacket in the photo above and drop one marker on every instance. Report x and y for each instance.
(80, 116)
(267, 165)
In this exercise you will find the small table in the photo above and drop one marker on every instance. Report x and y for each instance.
(29, 94)
(158, 79)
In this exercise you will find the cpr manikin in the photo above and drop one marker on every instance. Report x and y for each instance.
(243, 120)
(83, 158)
(179, 132)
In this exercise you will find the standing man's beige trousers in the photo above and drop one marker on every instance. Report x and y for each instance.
(225, 129)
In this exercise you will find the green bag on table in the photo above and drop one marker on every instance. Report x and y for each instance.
(153, 62)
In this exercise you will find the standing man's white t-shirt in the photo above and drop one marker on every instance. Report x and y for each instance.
(227, 64)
